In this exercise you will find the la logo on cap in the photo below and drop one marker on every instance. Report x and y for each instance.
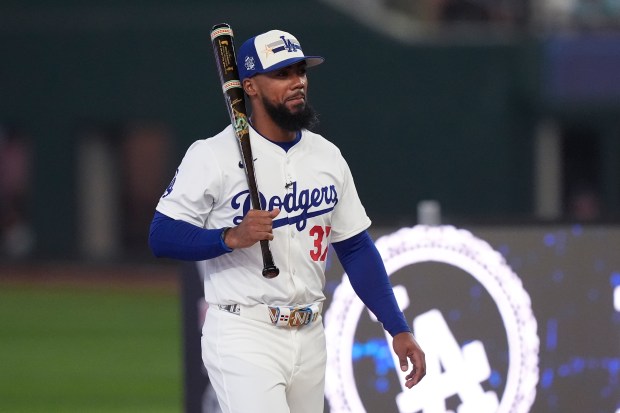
(270, 51)
(276, 46)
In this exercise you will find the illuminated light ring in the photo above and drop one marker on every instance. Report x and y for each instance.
(461, 249)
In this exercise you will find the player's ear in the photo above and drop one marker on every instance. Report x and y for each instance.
(248, 87)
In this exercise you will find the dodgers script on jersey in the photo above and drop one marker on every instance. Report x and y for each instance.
(312, 186)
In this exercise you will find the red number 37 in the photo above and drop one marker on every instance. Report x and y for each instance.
(319, 253)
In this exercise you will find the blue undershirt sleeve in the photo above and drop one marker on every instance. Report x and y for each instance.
(181, 240)
(364, 266)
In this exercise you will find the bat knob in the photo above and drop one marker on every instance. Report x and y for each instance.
(271, 271)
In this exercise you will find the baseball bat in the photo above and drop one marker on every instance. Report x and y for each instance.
(225, 59)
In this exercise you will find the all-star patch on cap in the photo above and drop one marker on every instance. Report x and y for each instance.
(271, 51)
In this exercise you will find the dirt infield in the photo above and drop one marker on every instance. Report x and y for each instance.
(149, 277)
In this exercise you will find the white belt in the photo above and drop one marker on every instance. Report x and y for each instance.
(280, 316)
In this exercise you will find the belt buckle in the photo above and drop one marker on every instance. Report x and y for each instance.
(293, 316)
(300, 316)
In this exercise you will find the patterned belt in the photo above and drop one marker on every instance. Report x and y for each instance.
(280, 316)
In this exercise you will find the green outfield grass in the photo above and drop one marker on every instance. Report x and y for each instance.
(69, 349)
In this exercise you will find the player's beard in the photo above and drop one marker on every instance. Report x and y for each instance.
(305, 118)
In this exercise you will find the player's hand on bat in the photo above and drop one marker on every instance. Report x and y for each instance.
(257, 225)
(407, 349)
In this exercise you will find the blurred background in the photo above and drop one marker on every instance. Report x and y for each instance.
(502, 113)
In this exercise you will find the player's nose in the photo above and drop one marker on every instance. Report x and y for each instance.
(300, 82)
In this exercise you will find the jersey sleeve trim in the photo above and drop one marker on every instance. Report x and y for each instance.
(353, 232)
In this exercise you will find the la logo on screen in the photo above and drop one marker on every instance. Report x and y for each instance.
(481, 352)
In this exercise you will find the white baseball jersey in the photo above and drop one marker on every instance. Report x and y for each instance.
(312, 186)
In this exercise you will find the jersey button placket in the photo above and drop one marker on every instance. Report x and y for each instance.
(288, 187)
(288, 175)
(289, 178)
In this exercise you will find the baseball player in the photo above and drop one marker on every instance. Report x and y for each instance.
(263, 339)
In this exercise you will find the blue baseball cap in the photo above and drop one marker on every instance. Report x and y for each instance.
(270, 51)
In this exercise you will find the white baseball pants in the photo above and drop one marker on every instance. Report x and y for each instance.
(256, 367)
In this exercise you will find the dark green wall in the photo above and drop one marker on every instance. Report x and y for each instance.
(452, 123)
